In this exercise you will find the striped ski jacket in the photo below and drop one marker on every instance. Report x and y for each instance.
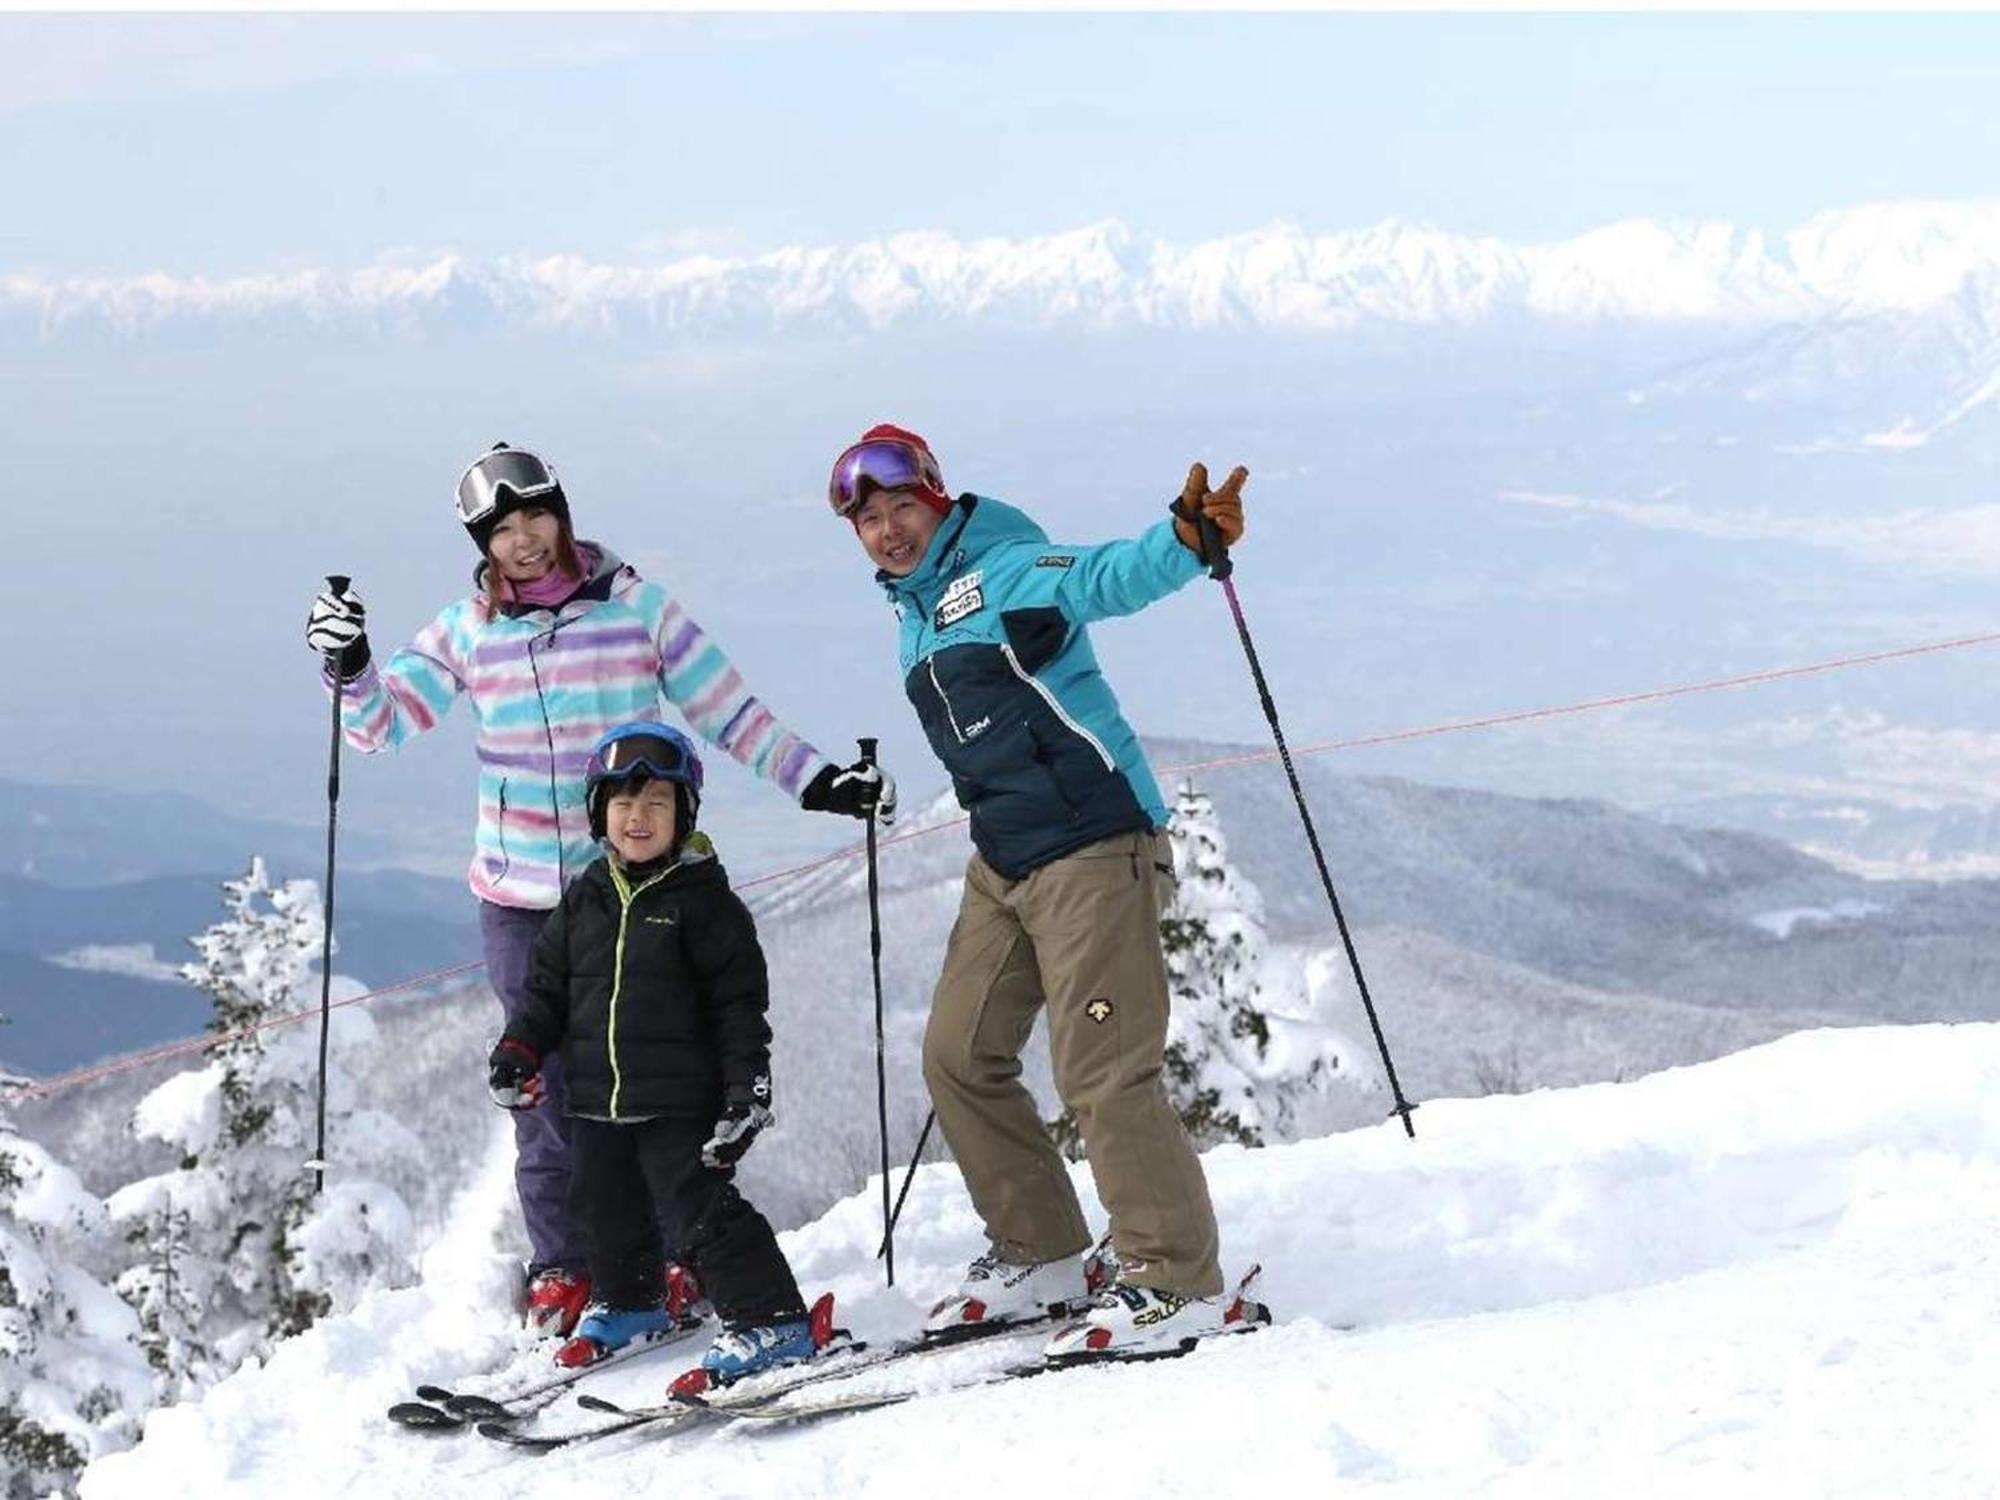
(545, 685)
(998, 664)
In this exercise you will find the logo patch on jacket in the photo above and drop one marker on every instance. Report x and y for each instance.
(1099, 1010)
(669, 918)
(1056, 560)
(963, 598)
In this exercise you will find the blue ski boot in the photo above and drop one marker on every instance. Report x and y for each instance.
(741, 1352)
(604, 1330)
(738, 1352)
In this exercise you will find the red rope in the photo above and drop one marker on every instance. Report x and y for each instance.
(65, 1081)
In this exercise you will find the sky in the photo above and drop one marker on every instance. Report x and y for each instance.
(1442, 541)
(226, 144)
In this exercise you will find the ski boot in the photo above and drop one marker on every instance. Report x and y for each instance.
(555, 1300)
(1128, 1322)
(685, 1300)
(604, 1330)
(738, 1353)
(995, 1291)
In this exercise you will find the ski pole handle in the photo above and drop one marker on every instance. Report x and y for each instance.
(1214, 556)
(868, 744)
(338, 582)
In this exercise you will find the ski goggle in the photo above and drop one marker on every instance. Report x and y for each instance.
(656, 755)
(512, 469)
(884, 464)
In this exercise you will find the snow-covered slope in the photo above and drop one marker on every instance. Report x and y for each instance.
(1769, 1274)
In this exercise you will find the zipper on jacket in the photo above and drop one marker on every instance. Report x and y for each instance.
(626, 896)
(1056, 708)
(500, 831)
(930, 666)
(549, 732)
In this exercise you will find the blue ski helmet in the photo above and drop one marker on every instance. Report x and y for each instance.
(657, 752)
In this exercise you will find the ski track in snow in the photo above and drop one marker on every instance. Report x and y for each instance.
(1774, 1273)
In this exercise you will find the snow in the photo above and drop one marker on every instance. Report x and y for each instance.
(134, 960)
(1780, 923)
(1778, 1271)
(1874, 258)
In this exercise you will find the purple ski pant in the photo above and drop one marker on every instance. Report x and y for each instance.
(541, 1134)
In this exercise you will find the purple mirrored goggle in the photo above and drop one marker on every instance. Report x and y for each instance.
(883, 464)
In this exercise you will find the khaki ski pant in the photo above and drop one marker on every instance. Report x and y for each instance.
(1080, 935)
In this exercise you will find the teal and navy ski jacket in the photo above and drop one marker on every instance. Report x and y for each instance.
(1000, 669)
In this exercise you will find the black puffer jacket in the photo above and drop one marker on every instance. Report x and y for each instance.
(652, 982)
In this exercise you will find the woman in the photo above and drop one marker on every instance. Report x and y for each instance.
(558, 642)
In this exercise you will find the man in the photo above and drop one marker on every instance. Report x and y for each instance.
(1062, 898)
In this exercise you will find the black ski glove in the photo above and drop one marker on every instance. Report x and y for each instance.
(747, 1112)
(853, 791)
(336, 628)
(514, 1075)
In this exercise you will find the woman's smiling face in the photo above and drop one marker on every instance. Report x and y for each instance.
(523, 544)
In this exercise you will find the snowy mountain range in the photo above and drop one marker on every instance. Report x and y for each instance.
(1894, 258)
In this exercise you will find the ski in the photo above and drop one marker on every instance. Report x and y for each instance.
(777, 1411)
(440, 1409)
(1245, 1316)
(836, 1364)
(675, 1415)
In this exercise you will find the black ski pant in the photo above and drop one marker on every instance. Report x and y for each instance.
(638, 1186)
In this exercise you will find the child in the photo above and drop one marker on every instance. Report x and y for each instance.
(649, 977)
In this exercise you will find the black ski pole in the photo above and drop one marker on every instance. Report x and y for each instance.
(338, 585)
(923, 1136)
(881, 1059)
(1216, 558)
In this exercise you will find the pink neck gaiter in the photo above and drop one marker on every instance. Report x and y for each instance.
(550, 589)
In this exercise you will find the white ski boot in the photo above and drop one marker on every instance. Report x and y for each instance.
(996, 1292)
(1142, 1322)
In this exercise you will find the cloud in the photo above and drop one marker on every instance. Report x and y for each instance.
(1961, 542)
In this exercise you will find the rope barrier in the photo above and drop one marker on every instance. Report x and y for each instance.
(63, 1082)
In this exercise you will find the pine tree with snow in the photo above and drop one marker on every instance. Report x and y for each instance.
(72, 1376)
(1240, 1061)
(234, 1248)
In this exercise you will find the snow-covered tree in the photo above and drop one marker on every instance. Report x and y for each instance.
(73, 1378)
(235, 1250)
(1241, 1060)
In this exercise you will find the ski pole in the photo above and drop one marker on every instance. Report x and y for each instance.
(903, 1192)
(881, 1061)
(338, 584)
(1216, 558)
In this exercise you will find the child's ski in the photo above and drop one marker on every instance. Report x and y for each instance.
(440, 1409)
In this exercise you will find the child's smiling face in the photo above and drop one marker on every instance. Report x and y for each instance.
(640, 821)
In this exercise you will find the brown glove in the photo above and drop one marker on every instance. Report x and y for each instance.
(1223, 506)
